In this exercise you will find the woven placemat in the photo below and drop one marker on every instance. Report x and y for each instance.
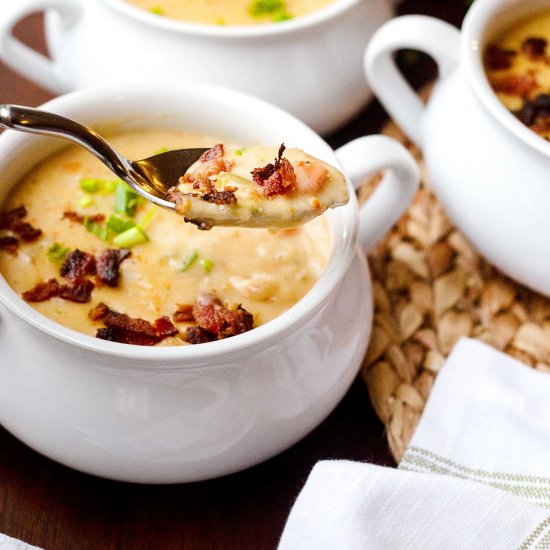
(430, 288)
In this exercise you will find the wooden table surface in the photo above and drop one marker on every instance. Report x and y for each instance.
(56, 508)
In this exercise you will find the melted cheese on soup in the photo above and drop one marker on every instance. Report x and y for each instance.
(517, 64)
(265, 271)
(231, 12)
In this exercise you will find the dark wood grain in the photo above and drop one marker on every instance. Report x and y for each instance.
(57, 508)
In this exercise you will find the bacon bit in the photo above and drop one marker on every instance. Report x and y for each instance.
(73, 216)
(78, 290)
(210, 164)
(9, 244)
(197, 335)
(276, 179)
(208, 193)
(497, 59)
(79, 218)
(219, 197)
(164, 327)
(214, 317)
(12, 220)
(521, 85)
(215, 153)
(534, 48)
(108, 265)
(42, 291)
(127, 330)
(11, 217)
(26, 231)
(98, 312)
(114, 334)
(78, 264)
(184, 314)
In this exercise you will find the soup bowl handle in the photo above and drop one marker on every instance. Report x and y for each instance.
(370, 154)
(436, 38)
(25, 60)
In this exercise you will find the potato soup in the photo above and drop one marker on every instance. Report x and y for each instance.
(517, 64)
(108, 260)
(231, 12)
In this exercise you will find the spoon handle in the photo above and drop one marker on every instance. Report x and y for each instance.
(27, 119)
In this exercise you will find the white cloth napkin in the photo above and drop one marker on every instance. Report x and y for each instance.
(8, 543)
(475, 476)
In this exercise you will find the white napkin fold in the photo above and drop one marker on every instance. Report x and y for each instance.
(480, 453)
(9, 543)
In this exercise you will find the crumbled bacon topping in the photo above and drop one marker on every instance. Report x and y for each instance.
(78, 264)
(534, 47)
(124, 329)
(108, 265)
(164, 327)
(98, 312)
(26, 231)
(514, 84)
(184, 313)
(497, 59)
(9, 244)
(79, 218)
(7, 219)
(210, 164)
(42, 291)
(197, 335)
(212, 316)
(276, 179)
(13, 220)
(77, 290)
(219, 197)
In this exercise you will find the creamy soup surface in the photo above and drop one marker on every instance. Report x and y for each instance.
(518, 67)
(231, 12)
(265, 271)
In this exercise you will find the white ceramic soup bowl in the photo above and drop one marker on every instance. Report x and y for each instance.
(310, 66)
(490, 171)
(162, 415)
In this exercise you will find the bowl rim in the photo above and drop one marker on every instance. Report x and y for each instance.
(295, 25)
(344, 226)
(473, 42)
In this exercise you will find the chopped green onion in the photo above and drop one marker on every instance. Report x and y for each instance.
(56, 253)
(97, 185)
(85, 201)
(281, 15)
(125, 199)
(89, 185)
(100, 231)
(108, 186)
(258, 8)
(189, 260)
(256, 210)
(118, 225)
(239, 152)
(157, 10)
(147, 218)
(130, 237)
(207, 265)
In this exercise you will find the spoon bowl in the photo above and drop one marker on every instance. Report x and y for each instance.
(150, 177)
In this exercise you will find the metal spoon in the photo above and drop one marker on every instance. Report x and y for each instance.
(150, 177)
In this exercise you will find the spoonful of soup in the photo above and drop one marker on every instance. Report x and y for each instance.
(254, 186)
